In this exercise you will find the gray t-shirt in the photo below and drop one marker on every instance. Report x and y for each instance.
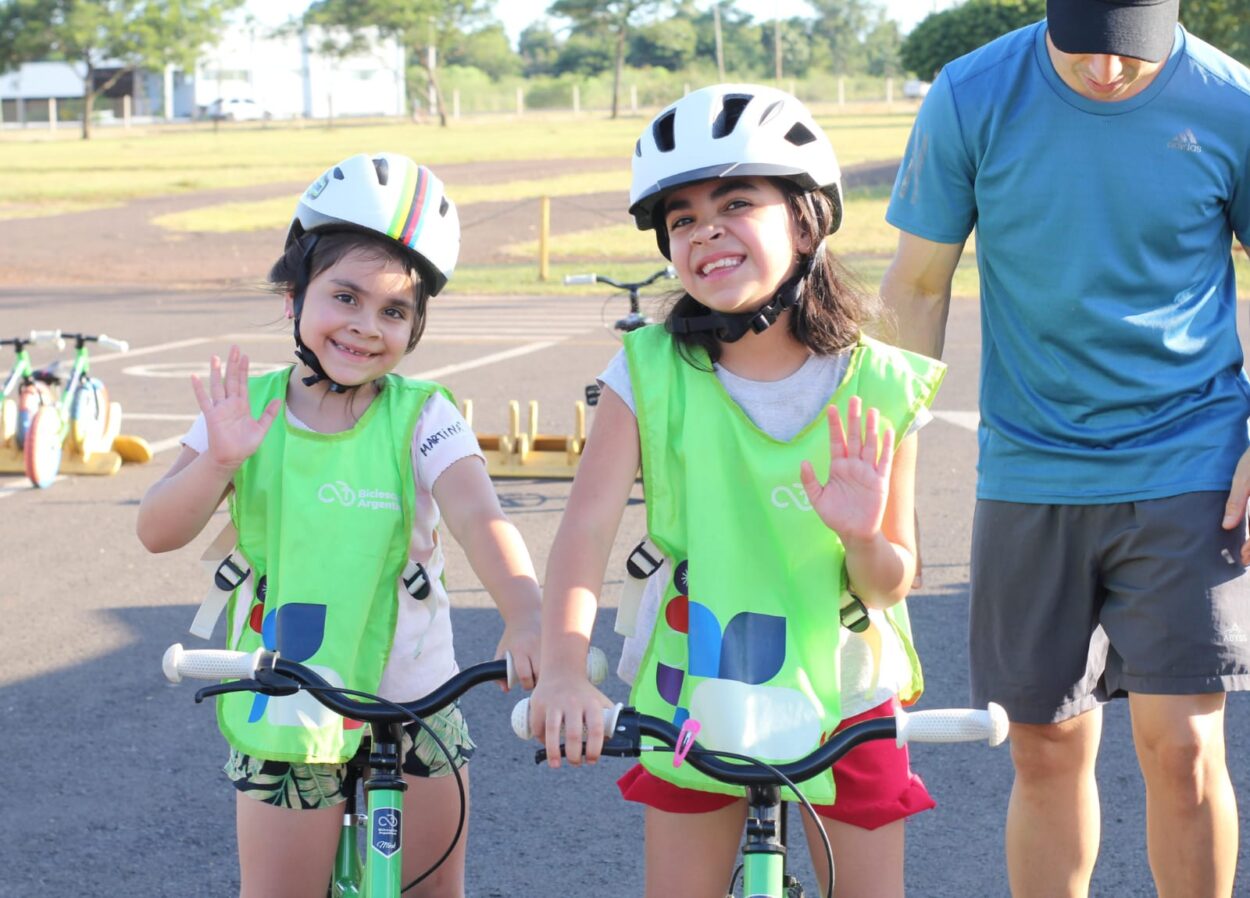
(802, 395)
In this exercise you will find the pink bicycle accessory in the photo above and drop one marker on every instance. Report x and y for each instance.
(685, 740)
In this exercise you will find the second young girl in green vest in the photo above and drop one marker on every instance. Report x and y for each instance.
(778, 456)
(338, 472)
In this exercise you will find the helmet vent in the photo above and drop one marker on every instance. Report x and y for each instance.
(799, 134)
(731, 110)
(773, 108)
(662, 131)
(638, 148)
(338, 173)
(383, 167)
(443, 207)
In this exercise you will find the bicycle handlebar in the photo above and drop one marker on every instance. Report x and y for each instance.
(267, 671)
(666, 272)
(627, 727)
(35, 337)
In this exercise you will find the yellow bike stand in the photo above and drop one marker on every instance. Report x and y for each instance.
(102, 456)
(529, 453)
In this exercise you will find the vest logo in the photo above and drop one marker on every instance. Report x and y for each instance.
(1233, 634)
(791, 496)
(341, 492)
(1185, 141)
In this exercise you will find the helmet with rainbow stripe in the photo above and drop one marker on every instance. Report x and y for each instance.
(391, 195)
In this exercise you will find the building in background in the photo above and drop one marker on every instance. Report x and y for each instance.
(284, 73)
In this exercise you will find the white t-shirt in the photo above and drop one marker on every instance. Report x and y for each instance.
(875, 665)
(422, 656)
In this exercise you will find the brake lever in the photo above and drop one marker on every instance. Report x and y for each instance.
(266, 682)
(626, 746)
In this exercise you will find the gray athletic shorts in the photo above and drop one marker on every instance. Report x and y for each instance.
(1076, 604)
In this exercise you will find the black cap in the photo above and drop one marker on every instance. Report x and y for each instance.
(1142, 29)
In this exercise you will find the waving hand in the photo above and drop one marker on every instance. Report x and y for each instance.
(233, 434)
(852, 500)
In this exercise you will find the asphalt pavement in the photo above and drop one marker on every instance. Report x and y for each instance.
(112, 780)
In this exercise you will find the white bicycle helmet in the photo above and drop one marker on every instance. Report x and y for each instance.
(731, 130)
(391, 195)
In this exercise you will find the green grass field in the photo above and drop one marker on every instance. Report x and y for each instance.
(53, 173)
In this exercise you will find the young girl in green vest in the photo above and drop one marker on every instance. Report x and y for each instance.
(759, 378)
(338, 472)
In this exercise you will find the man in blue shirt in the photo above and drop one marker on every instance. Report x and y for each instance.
(1103, 158)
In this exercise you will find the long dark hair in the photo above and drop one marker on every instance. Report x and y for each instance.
(286, 274)
(834, 307)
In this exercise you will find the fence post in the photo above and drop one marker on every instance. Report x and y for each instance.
(841, 91)
(126, 111)
(577, 98)
(21, 111)
(52, 113)
(455, 103)
(633, 98)
(544, 231)
(889, 90)
(520, 101)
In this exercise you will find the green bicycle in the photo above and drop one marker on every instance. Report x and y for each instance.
(764, 852)
(375, 871)
(24, 391)
(74, 414)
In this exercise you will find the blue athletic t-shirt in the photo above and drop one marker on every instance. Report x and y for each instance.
(1110, 365)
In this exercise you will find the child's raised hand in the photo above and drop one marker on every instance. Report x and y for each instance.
(233, 434)
(852, 501)
(521, 640)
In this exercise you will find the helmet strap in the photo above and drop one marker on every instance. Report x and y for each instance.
(732, 327)
(306, 356)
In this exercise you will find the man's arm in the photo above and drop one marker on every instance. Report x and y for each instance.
(917, 290)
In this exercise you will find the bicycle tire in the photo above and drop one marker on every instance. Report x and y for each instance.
(88, 416)
(29, 401)
(42, 452)
(8, 422)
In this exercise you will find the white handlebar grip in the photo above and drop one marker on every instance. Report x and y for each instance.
(580, 278)
(119, 345)
(952, 725)
(596, 667)
(44, 336)
(521, 720)
(208, 664)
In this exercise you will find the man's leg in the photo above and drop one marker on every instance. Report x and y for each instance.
(1053, 817)
(1191, 812)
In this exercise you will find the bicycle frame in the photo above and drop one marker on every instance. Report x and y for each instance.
(379, 872)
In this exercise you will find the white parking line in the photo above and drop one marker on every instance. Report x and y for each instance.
(147, 350)
(966, 420)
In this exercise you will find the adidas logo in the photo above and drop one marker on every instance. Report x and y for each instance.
(1185, 141)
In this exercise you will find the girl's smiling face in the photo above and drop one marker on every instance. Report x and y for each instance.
(733, 241)
(358, 316)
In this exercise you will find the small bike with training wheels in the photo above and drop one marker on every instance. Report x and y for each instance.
(375, 873)
(632, 321)
(32, 389)
(75, 413)
(763, 854)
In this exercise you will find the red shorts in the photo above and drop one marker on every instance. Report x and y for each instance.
(874, 783)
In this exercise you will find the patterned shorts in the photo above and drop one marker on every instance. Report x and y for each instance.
(310, 786)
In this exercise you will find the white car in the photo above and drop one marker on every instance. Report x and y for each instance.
(915, 89)
(236, 109)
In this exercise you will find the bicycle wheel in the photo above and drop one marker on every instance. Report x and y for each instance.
(8, 422)
(42, 451)
(29, 400)
(88, 416)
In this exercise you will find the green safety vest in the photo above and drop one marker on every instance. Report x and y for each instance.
(746, 642)
(325, 522)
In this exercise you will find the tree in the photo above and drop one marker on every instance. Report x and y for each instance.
(538, 50)
(667, 45)
(135, 33)
(882, 47)
(486, 49)
(613, 17)
(420, 25)
(1224, 23)
(843, 24)
(947, 35)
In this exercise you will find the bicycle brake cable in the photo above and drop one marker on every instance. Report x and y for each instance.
(446, 752)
